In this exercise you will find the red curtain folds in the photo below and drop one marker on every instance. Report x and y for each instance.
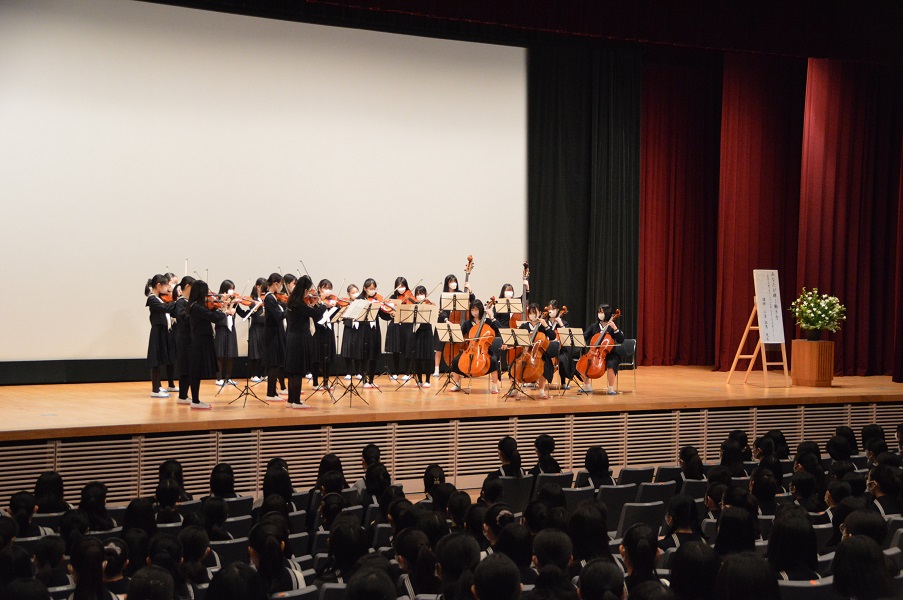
(680, 119)
(849, 196)
(761, 143)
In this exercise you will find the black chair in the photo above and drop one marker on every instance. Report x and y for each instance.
(28, 543)
(896, 555)
(823, 533)
(824, 564)
(320, 561)
(615, 497)
(117, 512)
(709, 530)
(668, 473)
(308, 593)
(636, 475)
(320, 543)
(52, 520)
(300, 543)
(694, 488)
(573, 497)
(301, 500)
(382, 533)
(240, 506)
(893, 525)
(815, 589)
(582, 479)
(105, 535)
(766, 522)
(372, 514)
(298, 520)
(356, 512)
(238, 526)
(859, 461)
(628, 361)
(562, 479)
(819, 518)
(516, 492)
(231, 551)
(652, 492)
(332, 591)
(200, 591)
(189, 507)
(351, 496)
(650, 513)
(786, 498)
(62, 592)
(741, 482)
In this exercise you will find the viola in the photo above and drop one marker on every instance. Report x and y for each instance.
(528, 366)
(592, 364)
(474, 361)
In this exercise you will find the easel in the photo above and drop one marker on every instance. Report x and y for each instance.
(359, 311)
(760, 348)
(448, 333)
(516, 338)
(418, 315)
(571, 337)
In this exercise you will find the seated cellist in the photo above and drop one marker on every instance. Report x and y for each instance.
(613, 360)
(477, 313)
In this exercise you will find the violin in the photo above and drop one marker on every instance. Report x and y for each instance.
(166, 297)
(528, 366)
(217, 301)
(408, 297)
(333, 300)
(312, 298)
(592, 364)
(384, 306)
(474, 360)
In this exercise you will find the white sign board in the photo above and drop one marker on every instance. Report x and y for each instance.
(768, 306)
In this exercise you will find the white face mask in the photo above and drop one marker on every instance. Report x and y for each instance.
(371, 293)
(354, 295)
(509, 294)
(453, 285)
(601, 316)
(421, 298)
(553, 313)
(402, 289)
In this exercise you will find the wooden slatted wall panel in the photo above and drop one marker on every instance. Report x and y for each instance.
(788, 419)
(113, 461)
(478, 449)
(691, 426)
(889, 416)
(558, 426)
(860, 415)
(608, 431)
(347, 443)
(241, 450)
(301, 448)
(819, 423)
(719, 423)
(22, 463)
(419, 444)
(196, 452)
(652, 438)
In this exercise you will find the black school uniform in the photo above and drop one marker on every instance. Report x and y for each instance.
(324, 341)
(255, 334)
(226, 340)
(613, 360)
(444, 316)
(368, 340)
(567, 356)
(547, 368)
(274, 331)
(396, 334)
(182, 329)
(202, 362)
(466, 326)
(160, 345)
(419, 344)
(299, 343)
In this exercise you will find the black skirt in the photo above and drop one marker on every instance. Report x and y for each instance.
(160, 347)
(395, 337)
(349, 335)
(202, 361)
(255, 342)
(226, 341)
(274, 345)
(420, 343)
(324, 346)
(367, 342)
(297, 353)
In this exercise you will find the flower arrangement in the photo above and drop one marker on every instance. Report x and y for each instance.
(814, 311)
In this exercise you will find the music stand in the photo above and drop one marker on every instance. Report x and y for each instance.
(360, 311)
(508, 306)
(326, 386)
(448, 333)
(417, 315)
(450, 301)
(516, 338)
(571, 337)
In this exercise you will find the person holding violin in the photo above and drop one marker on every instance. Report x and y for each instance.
(566, 367)
(274, 335)
(182, 329)
(397, 333)
(255, 331)
(448, 286)
(535, 324)
(226, 338)
(504, 319)
(420, 343)
(203, 311)
(160, 345)
(350, 344)
(324, 335)
(288, 285)
(613, 360)
(303, 310)
(477, 314)
(368, 338)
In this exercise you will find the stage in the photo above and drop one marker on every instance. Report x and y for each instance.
(85, 430)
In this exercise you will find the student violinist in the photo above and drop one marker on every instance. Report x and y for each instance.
(182, 329)
(202, 361)
(226, 338)
(160, 345)
(477, 312)
(397, 333)
(303, 310)
(535, 325)
(369, 339)
(274, 336)
(255, 332)
(324, 336)
(613, 361)
(420, 343)
(350, 342)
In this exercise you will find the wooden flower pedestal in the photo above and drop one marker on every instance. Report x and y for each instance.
(812, 363)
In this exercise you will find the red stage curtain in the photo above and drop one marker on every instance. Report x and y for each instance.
(849, 197)
(680, 119)
(761, 142)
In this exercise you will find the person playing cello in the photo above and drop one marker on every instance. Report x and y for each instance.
(535, 324)
(477, 312)
(613, 360)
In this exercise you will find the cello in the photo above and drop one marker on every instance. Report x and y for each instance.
(474, 361)
(528, 366)
(453, 349)
(592, 364)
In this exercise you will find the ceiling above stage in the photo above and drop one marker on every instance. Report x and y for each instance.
(867, 30)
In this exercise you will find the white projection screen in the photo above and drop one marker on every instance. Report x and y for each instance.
(134, 136)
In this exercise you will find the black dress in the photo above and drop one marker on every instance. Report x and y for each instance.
(182, 330)
(226, 337)
(419, 344)
(274, 331)
(324, 340)
(299, 343)
(396, 334)
(368, 339)
(160, 345)
(202, 362)
(255, 334)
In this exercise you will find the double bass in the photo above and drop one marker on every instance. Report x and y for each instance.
(592, 364)
(453, 349)
(474, 361)
(528, 366)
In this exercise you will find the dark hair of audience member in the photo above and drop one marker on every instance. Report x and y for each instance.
(401, 514)
(807, 447)
(212, 517)
(713, 495)
(838, 491)
(374, 561)
(887, 482)
(551, 495)
(8, 531)
(167, 497)
(346, 546)
(857, 483)
(739, 436)
(792, 546)
(434, 525)
(736, 532)
(694, 567)
(601, 580)
(767, 458)
(764, 488)
(388, 497)
(719, 474)
(811, 463)
(545, 446)
(516, 542)
(279, 482)
(838, 448)
(172, 469)
(94, 505)
(535, 516)
(732, 458)
(588, 530)
(154, 583)
(860, 570)
(116, 555)
(140, 514)
(376, 481)
(491, 491)
(597, 464)
(48, 554)
(370, 455)
(433, 475)
(803, 487)
(868, 523)
(416, 558)
(473, 524)
(839, 469)
(284, 526)
(74, 525)
(237, 581)
(265, 541)
(21, 508)
(553, 552)
(48, 493)
(330, 507)
(497, 516)
(195, 546)
(639, 548)
(652, 590)
(869, 433)
(370, 584)
(496, 578)
(222, 481)
(558, 518)
(274, 503)
(850, 436)
(746, 576)
(781, 449)
(138, 542)
(328, 464)
(742, 498)
(458, 555)
(15, 563)
(838, 515)
(458, 503)
(441, 494)
(683, 514)
(277, 462)
(25, 589)
(87, 569)
(165, 551)
(691, 463)
(890, 459)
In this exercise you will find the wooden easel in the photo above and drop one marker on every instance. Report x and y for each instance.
(760, 348)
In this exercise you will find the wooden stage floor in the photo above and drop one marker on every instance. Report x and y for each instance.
(79, 410)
